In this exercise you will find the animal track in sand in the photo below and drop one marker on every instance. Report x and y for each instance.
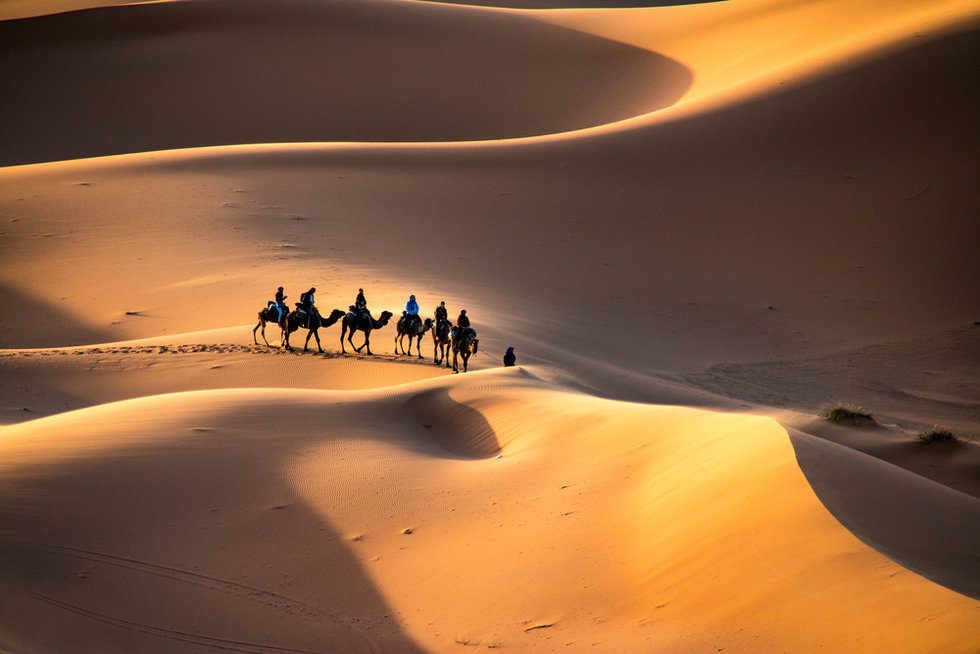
(200, 348)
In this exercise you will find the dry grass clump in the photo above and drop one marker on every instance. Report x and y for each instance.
(938, 435)
(841, 413)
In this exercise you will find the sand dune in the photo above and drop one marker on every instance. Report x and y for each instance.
(700, 225)
(227, 71)
(464, 546)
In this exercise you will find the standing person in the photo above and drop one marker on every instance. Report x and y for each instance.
(510, 358)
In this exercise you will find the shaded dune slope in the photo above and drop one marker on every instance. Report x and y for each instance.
(213, 72)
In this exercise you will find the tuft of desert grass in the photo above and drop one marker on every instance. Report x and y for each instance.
(938, 435)
(841, 413)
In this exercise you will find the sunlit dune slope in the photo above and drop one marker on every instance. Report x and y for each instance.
(667, 527)
(214, 72)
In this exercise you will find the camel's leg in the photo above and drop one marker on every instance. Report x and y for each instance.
(367, 343)
(316, 335)
(418, 347)
(455, 364)
(350, 339)
(255, 340)
(307, 343)
(343, 332)
(286, 341)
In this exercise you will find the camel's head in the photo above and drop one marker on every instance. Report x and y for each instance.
(337, 314)
(385, 316)
(427, 325)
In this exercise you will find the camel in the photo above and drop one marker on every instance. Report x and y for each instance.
(293, 321)
(269, 314)
(414, 330)
(441, 341)
(466, 344)
(364, 322)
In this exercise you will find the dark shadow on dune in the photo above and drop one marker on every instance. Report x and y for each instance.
(172, 562)
(458, 429)
(151, 77)
(924, 526)
(23, 314)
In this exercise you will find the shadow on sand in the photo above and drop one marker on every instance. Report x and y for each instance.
(168, 548)
(859, 490)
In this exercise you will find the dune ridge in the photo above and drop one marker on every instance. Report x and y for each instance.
(699, 225)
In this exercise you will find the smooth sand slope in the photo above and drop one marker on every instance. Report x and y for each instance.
(751, 216)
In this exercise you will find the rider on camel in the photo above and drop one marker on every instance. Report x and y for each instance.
(441, 312)
(462, 325)
(280, 305)
(306, 303)
(411, 311)
(360, 303)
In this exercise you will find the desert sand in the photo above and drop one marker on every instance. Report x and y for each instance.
(700, 225)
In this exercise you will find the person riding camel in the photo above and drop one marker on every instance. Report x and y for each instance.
(360, 303)
(411, 311)
(510, 358)
(306, 304)
(441, 312)
(280, 305)
(462, 325)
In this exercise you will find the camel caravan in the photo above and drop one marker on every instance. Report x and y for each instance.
(459, 338)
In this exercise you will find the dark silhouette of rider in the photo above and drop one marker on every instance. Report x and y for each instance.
(441, 312)
(510, 358)
(463, 320)
(360, 303)
(306, 299)
(306, 304)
